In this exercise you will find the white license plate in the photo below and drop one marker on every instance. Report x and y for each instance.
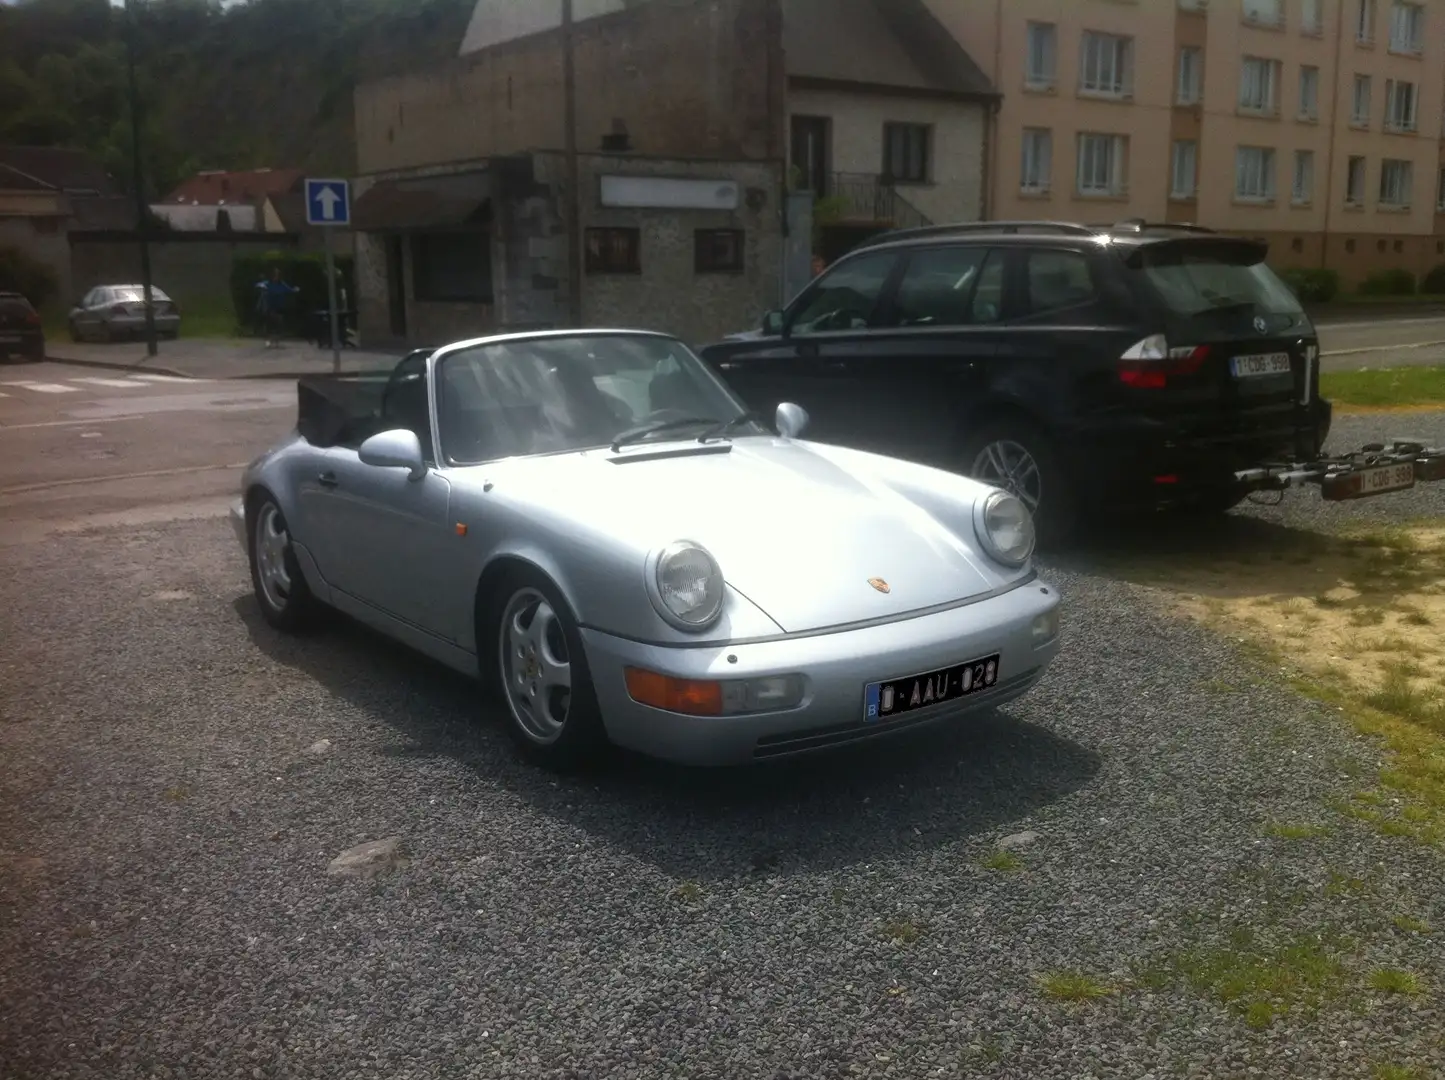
(1386, 478)
(1248, 367)
(9, 339)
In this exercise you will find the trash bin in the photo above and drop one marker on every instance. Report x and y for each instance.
(321, 328)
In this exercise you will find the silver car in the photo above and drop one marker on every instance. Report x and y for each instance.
(113, 312)
(591, 522)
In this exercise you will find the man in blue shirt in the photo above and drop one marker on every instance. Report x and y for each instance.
(274, 294)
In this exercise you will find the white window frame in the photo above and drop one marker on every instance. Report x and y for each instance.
(1115, 151)
(1041, 38)
(1111, 74)
(1360, 95)
(1400, 92)
(1365, 22)
(1184, 169)
(1302, 186)
(1256, 164)
(1407, 28)
(1262, 12)
(1397, 182)
(1309, 92)
(1261, 74)
(1036, 161)
(1189, 88)
(1312, 18)
(1355, 193)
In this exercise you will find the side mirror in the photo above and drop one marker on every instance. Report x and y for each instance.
(790, 420)
(395, 449)
(773, 323)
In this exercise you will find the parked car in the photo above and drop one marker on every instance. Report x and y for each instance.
(115, 312)
(21, 334)
(1083, 368)
(592, 522)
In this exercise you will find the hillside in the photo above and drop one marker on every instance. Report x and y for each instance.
(262, 82)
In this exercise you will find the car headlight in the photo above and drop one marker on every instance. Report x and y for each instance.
(1005, 528)
(689, 586)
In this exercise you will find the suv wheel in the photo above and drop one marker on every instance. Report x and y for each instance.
(1022, 461)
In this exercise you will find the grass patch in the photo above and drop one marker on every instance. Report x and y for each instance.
(1397, 1072)
(1072, 986)
(1385, 387)
(1003, 861)
(1287, 831)
(1395, 981)
(689, 892)
(901, 931)
(1411, 925)
(1262, 983)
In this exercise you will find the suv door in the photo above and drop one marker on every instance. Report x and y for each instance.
(830, 320)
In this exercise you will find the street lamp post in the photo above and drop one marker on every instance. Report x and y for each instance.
(142, 212)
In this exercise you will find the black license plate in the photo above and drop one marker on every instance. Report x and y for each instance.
(895, 697)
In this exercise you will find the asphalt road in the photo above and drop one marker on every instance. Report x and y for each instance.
(167, 813)
(1389, 342)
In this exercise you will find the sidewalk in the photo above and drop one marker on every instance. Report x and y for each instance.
(205, 358)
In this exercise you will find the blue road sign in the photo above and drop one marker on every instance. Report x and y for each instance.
(328, 202)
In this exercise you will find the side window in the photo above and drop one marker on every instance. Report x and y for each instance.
(1056, 280)
(937, 287)
(404, 401)
(846, 297)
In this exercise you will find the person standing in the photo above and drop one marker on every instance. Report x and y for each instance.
(274, 294)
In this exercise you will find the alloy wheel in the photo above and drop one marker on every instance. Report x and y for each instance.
(535, 667)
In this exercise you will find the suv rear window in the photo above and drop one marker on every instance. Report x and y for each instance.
(1194, 279)
(15, 305)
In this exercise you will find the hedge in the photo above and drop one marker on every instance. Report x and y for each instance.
(1396, 282)
(23, 273)
(1434, 283)
(304, 270)
(1312, 286)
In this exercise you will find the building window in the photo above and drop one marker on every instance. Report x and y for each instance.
(1182, 174)
(1254, 173)
(1037, 165)
(718, 251)
(905, 152)
(1264, 12)
(1440, 193)
(1402, 105)
(1365, 22)
(1103, 164)
(1360, 107)
(1043, 54)
(1259, 85)
(1191, 75)
(1312, 18)
(452, 268)
(1309, 93)
(1302, 191)
(614, 251)
(1355, 181)
(1407, 28)
(1106, 65)
(1396, 180)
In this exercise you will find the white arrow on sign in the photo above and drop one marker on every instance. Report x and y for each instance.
(327, 198)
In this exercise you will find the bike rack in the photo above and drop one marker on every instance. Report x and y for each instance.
(1374, 469)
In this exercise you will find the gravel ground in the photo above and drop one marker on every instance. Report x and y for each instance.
(165, 831)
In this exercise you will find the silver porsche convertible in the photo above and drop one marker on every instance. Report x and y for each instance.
(592, 523)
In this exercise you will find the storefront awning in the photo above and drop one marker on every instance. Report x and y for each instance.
(424, 202)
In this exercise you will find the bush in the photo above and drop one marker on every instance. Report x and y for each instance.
(304, 270)
(1312, 286)
(22, 273)
(1395, 282)
(1434, 282)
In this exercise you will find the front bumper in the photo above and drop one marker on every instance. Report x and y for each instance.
(238, 524)
(836, 668)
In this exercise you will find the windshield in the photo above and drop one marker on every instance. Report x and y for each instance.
(135, 294)
(1194, 282)
(559, 394)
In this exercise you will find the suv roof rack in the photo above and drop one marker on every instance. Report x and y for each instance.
(1140, 225)
(1070, 227)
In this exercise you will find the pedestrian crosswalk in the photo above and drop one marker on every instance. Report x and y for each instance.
(80, 384)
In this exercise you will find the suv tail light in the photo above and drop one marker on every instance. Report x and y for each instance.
(1147, 364)
(32, 318)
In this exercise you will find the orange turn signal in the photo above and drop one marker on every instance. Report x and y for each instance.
(674, 695)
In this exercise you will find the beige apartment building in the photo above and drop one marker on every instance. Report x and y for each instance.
(1314, 124)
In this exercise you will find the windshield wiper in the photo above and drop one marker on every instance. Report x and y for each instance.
(637, 434)
(729, 426)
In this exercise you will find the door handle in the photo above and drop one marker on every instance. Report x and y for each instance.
(328, 480)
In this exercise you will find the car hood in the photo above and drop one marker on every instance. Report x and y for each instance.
(802, 530)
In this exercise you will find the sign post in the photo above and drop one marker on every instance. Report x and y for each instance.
(328, 204)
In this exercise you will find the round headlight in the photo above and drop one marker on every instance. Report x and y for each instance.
(690, 585)
(1006, 528)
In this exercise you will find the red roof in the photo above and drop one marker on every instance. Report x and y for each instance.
(70, 171)
(249, 186)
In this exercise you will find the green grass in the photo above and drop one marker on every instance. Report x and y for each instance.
(1072, 986)
(901, 931)
(1260, 983)
(1004, 861)
(1385, 387)
(1287, 831)
(1398, 1072)
(1395, 981)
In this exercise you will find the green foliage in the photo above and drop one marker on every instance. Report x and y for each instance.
(1312, 286)
(1434, 281)
(21, 273)
(306, 271)
(1395, 282)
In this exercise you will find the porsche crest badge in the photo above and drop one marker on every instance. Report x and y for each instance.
(879, 584)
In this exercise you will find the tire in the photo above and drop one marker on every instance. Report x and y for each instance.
(1017, 457)
(286, 601)
(526, 621)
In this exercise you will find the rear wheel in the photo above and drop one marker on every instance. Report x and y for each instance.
(1021, 460)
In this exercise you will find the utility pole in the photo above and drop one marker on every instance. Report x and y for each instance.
(142, 211)
(574, 182)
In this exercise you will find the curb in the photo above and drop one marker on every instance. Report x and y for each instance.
(111, 365)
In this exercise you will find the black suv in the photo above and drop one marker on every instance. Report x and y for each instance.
(1082, 367)
(20, 332)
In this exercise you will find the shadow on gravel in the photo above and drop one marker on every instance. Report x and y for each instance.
(870, 804)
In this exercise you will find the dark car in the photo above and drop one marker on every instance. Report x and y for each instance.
(1081, 367)
(20, 332)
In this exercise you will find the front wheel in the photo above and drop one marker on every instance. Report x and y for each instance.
(281, 591)
(1022, 461)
